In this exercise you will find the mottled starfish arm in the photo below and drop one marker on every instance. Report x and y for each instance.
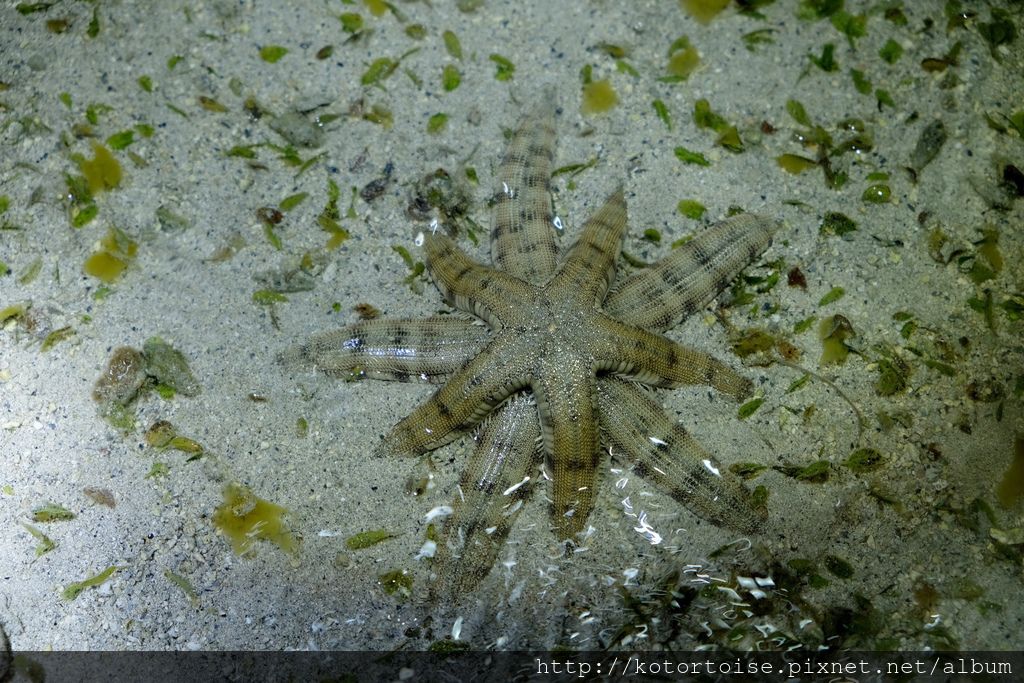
(493, 487)
(660, 297)
(522, 220)
(460, 403)
(567, 405)
(427, 349)
(590, 263)
(647, 357)
(469, 286)
(642, 436)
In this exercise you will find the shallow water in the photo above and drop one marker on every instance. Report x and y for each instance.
(918, 553)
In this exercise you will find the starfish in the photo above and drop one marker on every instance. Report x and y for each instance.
(558, 362)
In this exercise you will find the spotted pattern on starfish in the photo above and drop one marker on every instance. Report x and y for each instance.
(553, 375)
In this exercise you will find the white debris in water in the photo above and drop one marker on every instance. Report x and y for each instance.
(441, 511)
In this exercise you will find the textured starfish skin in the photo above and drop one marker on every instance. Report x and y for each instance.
(579, 349)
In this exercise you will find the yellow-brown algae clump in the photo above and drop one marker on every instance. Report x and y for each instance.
(243, 517)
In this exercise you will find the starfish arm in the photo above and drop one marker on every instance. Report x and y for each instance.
(522, 221)
(468, 286)
(646, 357)
(493, 488)
(660, 297)
(428, 349)
(589, 265)
(642, 436)
(570, 433)
(460, 403)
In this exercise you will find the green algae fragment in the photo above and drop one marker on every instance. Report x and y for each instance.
(833, 295)
(397, 583)
(683, 60)
(883, 97)
(31, 272)
(146, 83)
(838, 224)
(1000, 31)
(891, 51)
(598, 97)
(104, 266)
(328, 219)
(689, 157)
(351, 22)
(749, 408)
(379, 115)
(27, 8)
(798, 383)
(450, 78)
(102, 172)
(292, 201)
(366, 539)
(171, 221)
(168, 366)
(382, 68)
(691, 208)
(753, 39)
(794, 163)
(816, 472)
(703, 10)
(705, 117)
(751, 342)
(117, 250)
(266, 297)
(183, 584)
(93, 29)
(877, 194)
(798, 112)
(73, 590)
(379, 70)
(377, 7)
(243, 151)
(505, 68)
(56, 337)
(826, 60)
(838, 567)
(852, 26)
(52, 512)
(119, 141)
(416, 31)
(46, 544)
(452, 44)
(747, 470)
(652, 235)
(833, 332)
(893, 376)
(157, 470)
(1010, 489)
(160, 433)
(15, 310)
(272, 53)
(864, 460)
(243, 518)
(662, 111)
(860, 82)
(301, 428)
(165, 392)
(437, 123)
